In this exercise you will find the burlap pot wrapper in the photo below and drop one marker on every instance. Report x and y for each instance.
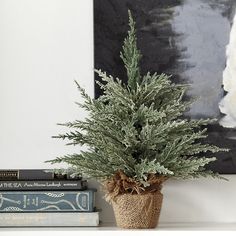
(137, 211)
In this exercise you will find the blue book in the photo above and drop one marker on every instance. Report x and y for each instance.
(41, 201)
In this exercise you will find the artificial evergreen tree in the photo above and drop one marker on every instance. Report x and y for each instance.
(135, 135)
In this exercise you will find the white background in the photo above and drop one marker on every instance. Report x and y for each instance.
(44, 46)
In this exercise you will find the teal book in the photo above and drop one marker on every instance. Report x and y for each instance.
(53, 201)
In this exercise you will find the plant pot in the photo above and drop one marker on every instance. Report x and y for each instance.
(137, 211)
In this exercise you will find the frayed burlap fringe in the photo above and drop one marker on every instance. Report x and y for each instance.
(137, 211)
(121, 184)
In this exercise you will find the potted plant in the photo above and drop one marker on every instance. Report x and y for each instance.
(136, 139)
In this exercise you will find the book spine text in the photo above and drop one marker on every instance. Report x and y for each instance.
(43, 185)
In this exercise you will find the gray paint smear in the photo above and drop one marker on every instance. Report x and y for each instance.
(205, 52)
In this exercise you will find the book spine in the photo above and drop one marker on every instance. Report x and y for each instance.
(34, 174)
(43, 185)
(38, 174)
(49, 219)
(31, 201)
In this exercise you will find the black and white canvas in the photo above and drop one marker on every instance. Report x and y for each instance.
(193, 40)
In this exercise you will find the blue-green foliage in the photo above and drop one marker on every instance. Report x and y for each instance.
(136, 128)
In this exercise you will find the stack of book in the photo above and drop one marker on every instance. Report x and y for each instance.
(44, 198)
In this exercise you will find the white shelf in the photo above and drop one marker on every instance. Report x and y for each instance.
(162, 227)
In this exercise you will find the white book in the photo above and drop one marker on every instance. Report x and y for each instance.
(48, 219)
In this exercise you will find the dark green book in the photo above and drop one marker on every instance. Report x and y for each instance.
(42, 185)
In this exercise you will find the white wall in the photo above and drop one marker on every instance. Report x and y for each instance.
(44, 46)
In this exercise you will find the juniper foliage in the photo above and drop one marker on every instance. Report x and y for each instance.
(136, 128)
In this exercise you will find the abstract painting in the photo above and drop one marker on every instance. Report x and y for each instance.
(192, 40)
